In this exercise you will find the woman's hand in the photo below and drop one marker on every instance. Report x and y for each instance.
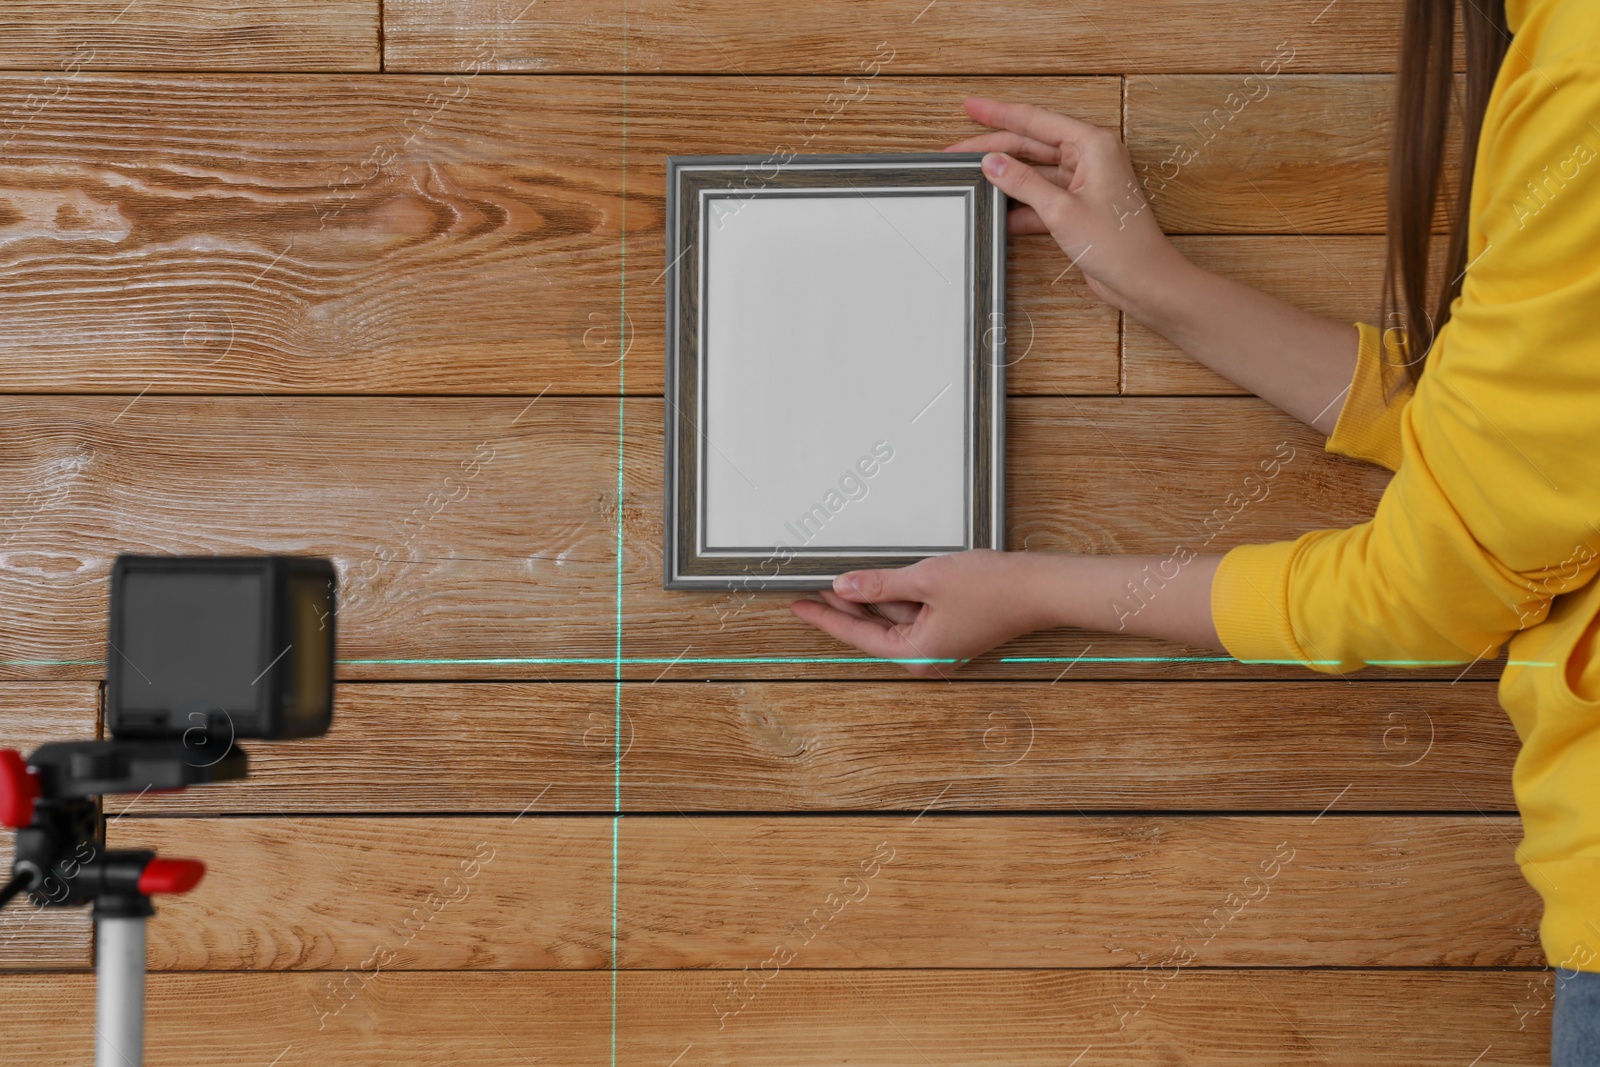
(945, 608)
(942, 611)
(1082, 192)
(1076, 183)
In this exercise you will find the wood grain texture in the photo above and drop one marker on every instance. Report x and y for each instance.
(31, 715)
(1055, 327)
(840, 1018)
(465, 234)
(70, 35)
(775, 746)
(1289, 154)
(866, 891)
(1341, 277)
(383, 893)
(1049, 891)
(1065, 746)
(835, 36)
(483, 532)
(1090, 850)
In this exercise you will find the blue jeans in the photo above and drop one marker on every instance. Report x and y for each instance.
(1575, 1020)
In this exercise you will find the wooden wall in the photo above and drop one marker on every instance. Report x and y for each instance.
(381, 281)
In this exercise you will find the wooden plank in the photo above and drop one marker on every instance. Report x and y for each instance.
(422, 234)
(1094, 891)
(31, 715)
(909, 37)
(912, 1019)
(424, 893)
(1056, 329)
(491, 1020)
(1292, 154)
(1341, 277)
(834, 1018)
(71, 35)
(437, 747)
(325, 893)
(476, 538)
(1065, 746)
(480, 747)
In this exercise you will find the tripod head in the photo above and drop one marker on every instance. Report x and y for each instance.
(204, 651)
(51, 801)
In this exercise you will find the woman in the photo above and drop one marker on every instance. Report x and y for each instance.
(1485, 401)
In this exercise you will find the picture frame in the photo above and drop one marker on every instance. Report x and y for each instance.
(835, 366)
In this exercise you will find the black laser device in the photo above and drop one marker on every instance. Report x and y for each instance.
(229, 645)
(203, 652)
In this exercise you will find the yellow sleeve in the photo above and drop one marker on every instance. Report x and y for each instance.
(1498, 492)
(1369, 423)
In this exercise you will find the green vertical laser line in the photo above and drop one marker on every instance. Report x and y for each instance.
(622, 377)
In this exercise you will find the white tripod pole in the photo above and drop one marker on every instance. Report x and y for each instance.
(119, 968)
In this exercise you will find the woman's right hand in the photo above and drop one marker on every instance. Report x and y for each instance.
(1075, 182)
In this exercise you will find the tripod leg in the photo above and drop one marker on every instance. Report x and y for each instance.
(119, 994)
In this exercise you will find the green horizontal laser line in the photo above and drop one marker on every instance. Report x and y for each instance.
(518, 661)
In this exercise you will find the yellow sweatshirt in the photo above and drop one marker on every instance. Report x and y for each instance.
(1489, 532)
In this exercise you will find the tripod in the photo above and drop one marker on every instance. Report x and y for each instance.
(61, 859)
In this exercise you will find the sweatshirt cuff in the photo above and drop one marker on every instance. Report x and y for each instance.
(1250, 603)
(1368, 427)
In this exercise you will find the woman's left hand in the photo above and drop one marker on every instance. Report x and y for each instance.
(938, 612)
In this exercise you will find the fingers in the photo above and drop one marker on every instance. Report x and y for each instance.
(1056, 176)
(1030, 121)
(1021, 182)
(887, 637)
(1025, 220)
(874, 587)
(1052, 168)
(860, 611)
(1054, 164)
(899, 612)
(875, 637)
(1012, 143)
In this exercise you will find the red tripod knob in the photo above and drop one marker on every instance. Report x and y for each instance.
(170, 876)
(19, 788)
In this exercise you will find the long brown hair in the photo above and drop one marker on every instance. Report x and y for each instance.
(1417, 179)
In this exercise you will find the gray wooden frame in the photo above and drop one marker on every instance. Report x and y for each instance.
(694, 183)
